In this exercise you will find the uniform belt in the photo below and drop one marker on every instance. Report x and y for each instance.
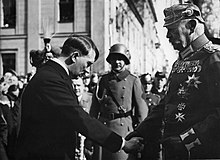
(113, 116)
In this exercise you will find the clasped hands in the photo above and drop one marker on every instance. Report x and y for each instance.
(133, 143)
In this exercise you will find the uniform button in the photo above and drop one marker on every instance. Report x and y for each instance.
(104, 123)
(150, 99)
(125, 79)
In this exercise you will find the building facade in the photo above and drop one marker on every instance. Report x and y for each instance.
(24, 24)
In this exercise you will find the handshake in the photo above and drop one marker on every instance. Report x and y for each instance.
(133, 143)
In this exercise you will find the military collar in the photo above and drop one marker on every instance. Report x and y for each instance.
(196, 45)
(122, 75)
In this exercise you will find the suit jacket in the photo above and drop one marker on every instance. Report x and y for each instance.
(51, 115)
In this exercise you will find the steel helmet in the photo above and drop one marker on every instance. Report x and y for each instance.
(119, 49)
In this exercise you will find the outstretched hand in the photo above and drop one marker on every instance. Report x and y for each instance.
(133, 145)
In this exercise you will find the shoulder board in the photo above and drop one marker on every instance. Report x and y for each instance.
(104, 74)
(209, 47)
(134, 75)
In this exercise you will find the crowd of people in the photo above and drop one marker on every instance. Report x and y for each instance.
(63, 112)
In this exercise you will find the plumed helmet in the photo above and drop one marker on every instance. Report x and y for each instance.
(119, 49)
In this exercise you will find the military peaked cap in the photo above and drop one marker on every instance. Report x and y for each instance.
(178, 12)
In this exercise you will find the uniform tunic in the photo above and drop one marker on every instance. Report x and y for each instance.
(192, 100)
(128, 92)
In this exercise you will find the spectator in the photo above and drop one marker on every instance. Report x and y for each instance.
(159, 86)
(93, 82)
(151, 98)
(85, 100)
(3, 136)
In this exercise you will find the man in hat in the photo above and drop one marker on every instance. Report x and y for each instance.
(190, 110)
(151, 150)
(51, 114)
(159, 85)
(152, 99)
(118, 94)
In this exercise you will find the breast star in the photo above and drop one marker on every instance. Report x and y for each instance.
(193, 81)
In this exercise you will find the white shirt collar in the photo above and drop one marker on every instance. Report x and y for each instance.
(79, 98)
(61, 63)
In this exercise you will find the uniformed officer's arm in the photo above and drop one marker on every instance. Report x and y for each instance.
(190, 139)
(139, 100)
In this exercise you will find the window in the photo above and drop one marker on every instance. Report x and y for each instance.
(8, 13)
(8, 60)
(66, 10)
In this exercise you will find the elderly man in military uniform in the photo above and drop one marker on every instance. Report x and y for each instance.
(190, 110)
(119, 96)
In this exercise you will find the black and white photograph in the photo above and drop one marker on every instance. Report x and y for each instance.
(109, 79)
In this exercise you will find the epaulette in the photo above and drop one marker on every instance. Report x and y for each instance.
(210, 47)
(134, 75)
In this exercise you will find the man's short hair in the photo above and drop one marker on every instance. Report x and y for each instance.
(80, 43)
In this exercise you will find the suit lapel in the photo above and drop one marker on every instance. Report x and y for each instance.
(61, 71)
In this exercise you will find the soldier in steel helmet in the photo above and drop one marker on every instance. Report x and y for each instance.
(118, 96)
(190, 111)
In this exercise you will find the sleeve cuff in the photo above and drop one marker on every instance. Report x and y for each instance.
(187, 135)
(123, 143)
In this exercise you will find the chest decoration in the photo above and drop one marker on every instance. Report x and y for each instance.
(180, 117)
(187, 66)
(183, 93)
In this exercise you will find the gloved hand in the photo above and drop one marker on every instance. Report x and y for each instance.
(132, 134)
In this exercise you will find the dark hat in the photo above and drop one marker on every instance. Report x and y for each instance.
(179, 12)
(146, 79)
(160, 75)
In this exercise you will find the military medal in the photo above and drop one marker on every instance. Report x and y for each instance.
(180, 117)
(187, 66)
(181, 106)
(193, 81)
(183, 92)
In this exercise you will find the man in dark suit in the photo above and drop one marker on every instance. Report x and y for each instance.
(51, 113)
